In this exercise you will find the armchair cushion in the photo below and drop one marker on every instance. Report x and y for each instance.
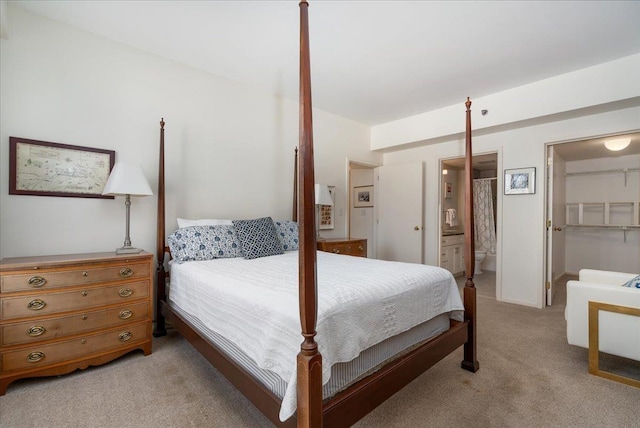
(619, 334)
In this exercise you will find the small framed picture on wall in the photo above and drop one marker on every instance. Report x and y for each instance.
(521, 181)
(363, 196)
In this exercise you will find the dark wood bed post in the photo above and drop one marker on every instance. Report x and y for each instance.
(309, 361)
(470, 361)
(161, 275)
(294, 215)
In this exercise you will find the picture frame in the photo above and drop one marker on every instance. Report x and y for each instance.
(42, 168)
(327, 212)
(520, 181)
(448, 189)
(363, 196)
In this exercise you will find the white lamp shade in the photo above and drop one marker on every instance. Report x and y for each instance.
(323, 196)
(127, 179)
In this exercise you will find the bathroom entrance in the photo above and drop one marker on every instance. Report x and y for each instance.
(486, 220)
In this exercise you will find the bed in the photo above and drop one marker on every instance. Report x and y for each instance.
(361, 342)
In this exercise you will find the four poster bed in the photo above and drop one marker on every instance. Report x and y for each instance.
(371, 347)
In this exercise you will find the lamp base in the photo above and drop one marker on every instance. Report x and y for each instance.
(128, 250)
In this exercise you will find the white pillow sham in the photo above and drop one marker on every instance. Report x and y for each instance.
(183, 222)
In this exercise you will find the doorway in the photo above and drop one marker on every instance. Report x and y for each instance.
(360, 220)
(487, 219)
(591, 221)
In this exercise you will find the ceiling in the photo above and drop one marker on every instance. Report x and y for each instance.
(372, 61)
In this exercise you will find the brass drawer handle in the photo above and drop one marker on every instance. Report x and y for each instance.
(37, 281)
(125, 292)
(124, 336)
(36, 330)
(34, 357)
(361, 248)
(85, 293)
(126, 272)
(126, 314)
(85, 273)
(36, 304)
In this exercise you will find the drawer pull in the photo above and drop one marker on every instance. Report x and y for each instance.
(335, 250)
(360, 248)
(85, 293)
(85, 273)
(36, 304)
(37, 281)
(125, 292)
(36, 330)
(84, 318)
(124, 336)
(126, 314)
(126, 272)
(34, 357)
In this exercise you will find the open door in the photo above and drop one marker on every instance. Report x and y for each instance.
(400, 212)
(555, 239)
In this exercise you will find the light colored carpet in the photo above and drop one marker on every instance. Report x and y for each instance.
(529, 377)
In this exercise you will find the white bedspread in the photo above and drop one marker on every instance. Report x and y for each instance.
(254, 303)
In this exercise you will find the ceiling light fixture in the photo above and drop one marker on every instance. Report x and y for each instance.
(617, 144)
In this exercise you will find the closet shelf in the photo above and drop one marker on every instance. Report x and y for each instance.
(624, 216)
(624, 171)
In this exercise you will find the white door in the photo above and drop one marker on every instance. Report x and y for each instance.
(399, 212)
(555, 260)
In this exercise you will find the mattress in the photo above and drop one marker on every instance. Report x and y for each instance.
(362, 302)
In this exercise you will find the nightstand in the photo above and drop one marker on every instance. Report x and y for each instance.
(348, 246)
(68, 312)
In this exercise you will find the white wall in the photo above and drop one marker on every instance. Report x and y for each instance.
(521, 239)
(598, 248)
(229, 148)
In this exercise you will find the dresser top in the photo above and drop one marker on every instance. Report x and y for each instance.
(343, 240)
(12, 263)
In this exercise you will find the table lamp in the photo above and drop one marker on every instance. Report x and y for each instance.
(127, 180)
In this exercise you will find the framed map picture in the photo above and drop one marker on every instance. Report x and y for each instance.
(41, 168)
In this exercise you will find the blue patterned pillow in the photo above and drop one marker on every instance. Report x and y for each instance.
(633, 282)
(258, 237)
(204, 243)
(288, 234)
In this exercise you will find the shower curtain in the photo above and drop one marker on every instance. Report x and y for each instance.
(485, 226)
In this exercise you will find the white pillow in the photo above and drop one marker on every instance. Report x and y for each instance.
(183, 222)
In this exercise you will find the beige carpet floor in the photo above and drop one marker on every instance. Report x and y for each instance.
(528, 377)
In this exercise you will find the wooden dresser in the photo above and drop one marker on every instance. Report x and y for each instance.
(349, 246)
(68, 312)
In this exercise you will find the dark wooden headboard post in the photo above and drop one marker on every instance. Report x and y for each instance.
(470, 361)
(294, 215)
(161, 296)
(309, 361)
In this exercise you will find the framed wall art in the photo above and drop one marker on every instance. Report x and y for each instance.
(448, 189)
(363, 196)
(521, 181)
(327, 212)
(41, 168)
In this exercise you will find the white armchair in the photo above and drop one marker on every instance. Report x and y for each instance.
(615, 318)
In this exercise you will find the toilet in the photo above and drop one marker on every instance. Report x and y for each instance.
(480, 256)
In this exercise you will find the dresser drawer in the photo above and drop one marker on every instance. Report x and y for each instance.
(453, 240)
(350, 247)
(52, 328)
(48, 279)
(52, 303)
(35, 356)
